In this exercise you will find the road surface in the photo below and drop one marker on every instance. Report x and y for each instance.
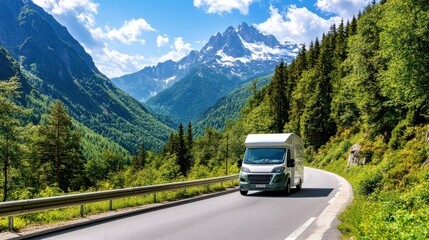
(259, 215)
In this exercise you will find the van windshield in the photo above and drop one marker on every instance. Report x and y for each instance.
(265, 155)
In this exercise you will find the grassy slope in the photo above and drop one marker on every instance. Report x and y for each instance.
(228, 108)
(391, 190)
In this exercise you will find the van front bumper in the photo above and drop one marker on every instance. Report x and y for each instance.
(262, 181)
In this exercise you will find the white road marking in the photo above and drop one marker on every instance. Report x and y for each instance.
(301, 229)
(336, 194)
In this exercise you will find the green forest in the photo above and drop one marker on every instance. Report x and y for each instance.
(364, 82)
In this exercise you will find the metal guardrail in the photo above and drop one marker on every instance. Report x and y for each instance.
(13, 208)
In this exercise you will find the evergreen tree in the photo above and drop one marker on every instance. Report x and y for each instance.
(340, 53)
(364, 62)
(182, 152)
(189, 145)
(313, 53)
(316, 124)
(343, 107)
(59, 150)
(299, 65)
(278, 98)
(138, 162)
(352, 27)
(254, 88)
(294, 92)
(189, 137)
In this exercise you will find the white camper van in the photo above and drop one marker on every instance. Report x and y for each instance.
(272, 162)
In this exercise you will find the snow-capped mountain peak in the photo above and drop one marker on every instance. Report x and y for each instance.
(242, 52)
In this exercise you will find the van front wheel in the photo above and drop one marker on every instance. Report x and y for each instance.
(299, 187)
(243, 192)
(287, 189)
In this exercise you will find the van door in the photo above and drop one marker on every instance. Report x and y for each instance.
(291, 165)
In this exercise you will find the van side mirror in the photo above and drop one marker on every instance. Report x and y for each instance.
(239, 162)
(290, 163)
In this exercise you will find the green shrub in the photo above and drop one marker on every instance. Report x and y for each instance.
(370, 183)
(397, 139)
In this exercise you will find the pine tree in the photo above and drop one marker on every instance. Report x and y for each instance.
(313, 53)
(316, 124)
(189, 137)
(189, 145)
(138, 162)
(254, 88)
(278, 98)
(182, 152)
(142, 156)
(343, 107)
(352, 27)
(59, 150)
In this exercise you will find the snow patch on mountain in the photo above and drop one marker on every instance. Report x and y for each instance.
(166, 81)
(227, 60)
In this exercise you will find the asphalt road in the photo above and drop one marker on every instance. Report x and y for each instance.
(260, 215)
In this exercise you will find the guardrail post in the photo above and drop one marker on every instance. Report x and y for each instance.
(154, 197)
(82, 211)
(110, 205)
(10, 223)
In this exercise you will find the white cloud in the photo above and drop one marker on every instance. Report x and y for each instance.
(115, 64)
(68, 12)
(299, 25)
(222, 6)
(344, 8)
(84, 10)
(79, 18)
(180, 50)
(130, 31)
(162, 40)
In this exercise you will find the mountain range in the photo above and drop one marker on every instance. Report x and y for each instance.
(187, 89)
(57, 67)
(242, 53)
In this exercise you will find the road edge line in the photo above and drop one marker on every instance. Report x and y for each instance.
(301, 229)
(324, 220)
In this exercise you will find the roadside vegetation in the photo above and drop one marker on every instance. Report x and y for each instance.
(392, 187)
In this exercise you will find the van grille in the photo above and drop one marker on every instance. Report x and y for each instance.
(260, 179)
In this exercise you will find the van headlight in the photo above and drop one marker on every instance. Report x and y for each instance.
(245, 169)
(278, 170)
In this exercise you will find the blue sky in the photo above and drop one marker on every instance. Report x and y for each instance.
(123, 36)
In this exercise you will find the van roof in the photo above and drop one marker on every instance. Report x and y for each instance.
(269, 140)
